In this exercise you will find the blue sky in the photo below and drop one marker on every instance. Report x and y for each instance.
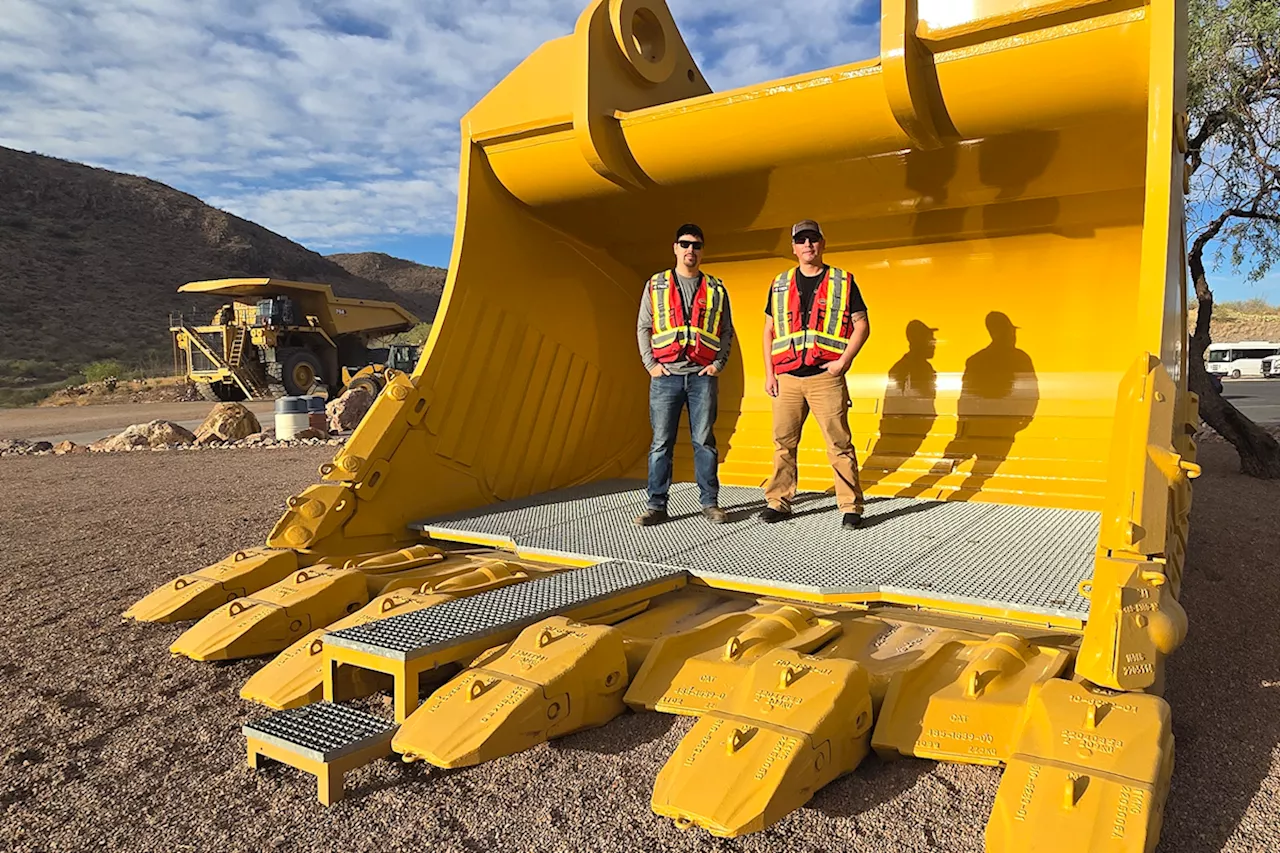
(335, 122)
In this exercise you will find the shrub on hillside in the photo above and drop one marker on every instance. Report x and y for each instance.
(1253, 305)
(100, 370)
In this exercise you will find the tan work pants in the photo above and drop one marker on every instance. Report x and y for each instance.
(828, 398)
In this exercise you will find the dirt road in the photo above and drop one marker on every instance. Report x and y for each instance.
(110, 743)
(85, 424)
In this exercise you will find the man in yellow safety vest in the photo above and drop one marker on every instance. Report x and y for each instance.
(684, 332)
(815, 324)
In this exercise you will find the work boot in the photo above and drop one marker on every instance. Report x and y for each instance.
(769, 515)
(715, 514)
(851, 520)
(651, 516)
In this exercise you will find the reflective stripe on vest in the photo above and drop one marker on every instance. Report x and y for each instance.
(697, 338)
(828, 330)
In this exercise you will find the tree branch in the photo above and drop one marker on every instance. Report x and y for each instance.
(1212, 123)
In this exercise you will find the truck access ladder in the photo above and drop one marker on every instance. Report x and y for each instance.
(253, 388)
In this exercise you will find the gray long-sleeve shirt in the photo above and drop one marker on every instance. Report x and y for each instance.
(644, 330)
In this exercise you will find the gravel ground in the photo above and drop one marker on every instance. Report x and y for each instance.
(110, 743)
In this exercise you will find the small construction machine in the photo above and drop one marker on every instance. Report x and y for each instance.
(278, 337)
(1005, 181)
(386, 362)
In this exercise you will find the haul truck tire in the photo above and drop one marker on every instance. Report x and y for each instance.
(368, 383)
(219, 392)
(300, 373)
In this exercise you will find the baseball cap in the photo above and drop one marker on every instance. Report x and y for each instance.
(805, 225)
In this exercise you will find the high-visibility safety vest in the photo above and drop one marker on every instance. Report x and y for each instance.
(830, 325)
(696, 337)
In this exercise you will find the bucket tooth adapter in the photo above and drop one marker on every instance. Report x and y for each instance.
(246, 572)
(396, 562)
(673, 613)
(296, 676)
(886, 648)
(556, 678)
(965, 700)
(693, 671)
(274, 618)
(1090, 772)
(193, 596)
(792, 725)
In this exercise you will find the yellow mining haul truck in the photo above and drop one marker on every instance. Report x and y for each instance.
(275, 336)
(1006, 183)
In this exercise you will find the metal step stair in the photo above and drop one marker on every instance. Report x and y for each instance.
(237, 347)
(408, 645)
(245, 378)
(325, 739)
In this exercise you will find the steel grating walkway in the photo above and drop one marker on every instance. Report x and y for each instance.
(1025, 559)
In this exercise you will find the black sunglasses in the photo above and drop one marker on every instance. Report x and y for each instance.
(690, 244)
(815, 239)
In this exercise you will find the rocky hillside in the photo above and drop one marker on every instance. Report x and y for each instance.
(1250, 320)
(90, 262)
(417, 287)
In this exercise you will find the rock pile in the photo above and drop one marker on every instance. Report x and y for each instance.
(149, 435)
(19, 447)
(227, 422)
(229, 425)
(346, 412)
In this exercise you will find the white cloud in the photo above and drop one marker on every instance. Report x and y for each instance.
(334, 122)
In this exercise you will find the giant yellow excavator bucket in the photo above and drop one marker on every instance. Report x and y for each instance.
(1005, 183)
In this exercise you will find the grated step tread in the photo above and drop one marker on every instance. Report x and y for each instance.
(1018, 558)
(412, 635)
(323, 731)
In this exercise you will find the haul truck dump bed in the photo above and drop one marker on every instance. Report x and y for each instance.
(1005, 183)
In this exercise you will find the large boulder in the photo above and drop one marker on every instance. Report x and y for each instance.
(151, 434)
(346, 412)
(227, 422)
(20, 447)
(62, 448)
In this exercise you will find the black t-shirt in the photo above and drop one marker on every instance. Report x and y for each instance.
(807, 285)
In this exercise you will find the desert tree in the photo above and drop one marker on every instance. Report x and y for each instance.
(1233, 102)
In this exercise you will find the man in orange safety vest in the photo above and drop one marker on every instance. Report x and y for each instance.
(684, 332)
(815, 324)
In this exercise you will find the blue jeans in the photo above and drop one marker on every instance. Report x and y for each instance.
(668, 395)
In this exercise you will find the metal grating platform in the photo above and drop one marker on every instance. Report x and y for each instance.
(412, 635)
(1025, 559)
(322, 732)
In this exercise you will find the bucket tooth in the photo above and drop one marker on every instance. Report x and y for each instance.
(295, 677)
(1090, 771)
(489, 574)
(791, 726)
(413, 557)
(275, 617)
(672, 613)
(964, 701)
(195, 595)
(885, 648)
(429, 574)
(691, 672)
(555, 678)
